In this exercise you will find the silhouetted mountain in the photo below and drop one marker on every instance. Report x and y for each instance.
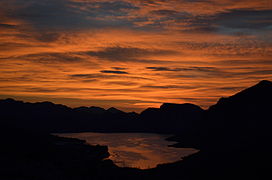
(256, 95)
(92, 110)
(239, 112)
(234, 138)
(114, 111)
(243, 115)
(172, 118)
(47, 116)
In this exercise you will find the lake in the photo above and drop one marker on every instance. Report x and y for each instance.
(137, 150)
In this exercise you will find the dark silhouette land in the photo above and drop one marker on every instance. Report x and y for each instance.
(233, 136)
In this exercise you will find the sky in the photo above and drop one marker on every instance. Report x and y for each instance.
(133, 54)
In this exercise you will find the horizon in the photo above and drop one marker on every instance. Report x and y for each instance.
(138, 112)
(127, 111)
(133, 54)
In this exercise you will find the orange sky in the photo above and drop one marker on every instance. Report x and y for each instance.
(133, 54)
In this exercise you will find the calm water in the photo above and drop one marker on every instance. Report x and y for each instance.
(137, 150)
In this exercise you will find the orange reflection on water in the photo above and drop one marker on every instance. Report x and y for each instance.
(137, 150)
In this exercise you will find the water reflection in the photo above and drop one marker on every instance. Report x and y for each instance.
(138, 150)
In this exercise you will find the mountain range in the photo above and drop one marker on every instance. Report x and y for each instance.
(248, 106)
(50, 117)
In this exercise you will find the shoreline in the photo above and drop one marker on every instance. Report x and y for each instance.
(118, 154)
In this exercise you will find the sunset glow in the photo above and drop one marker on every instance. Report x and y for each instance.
(133, 54)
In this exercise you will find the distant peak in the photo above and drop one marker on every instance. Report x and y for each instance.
(258, 92)
(114, 110)
(264, 83)
(97, 108)
(165, 105)
(262, 86)
(9, 100)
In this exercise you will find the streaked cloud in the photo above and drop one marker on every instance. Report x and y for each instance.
(129, 53)
(113, 72)
(133, 53)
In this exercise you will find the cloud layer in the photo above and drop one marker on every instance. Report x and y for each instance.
(133, 53)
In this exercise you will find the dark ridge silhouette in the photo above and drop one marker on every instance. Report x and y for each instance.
(92, 109)
(115, 111)
(172, 118)
(234, 137)
(50, 117)
(244, 115)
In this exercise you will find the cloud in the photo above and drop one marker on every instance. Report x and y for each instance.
(90, 76)
(122, 83)
(67, 57)
(222, 21)
(233, 88)
(195, 72)
(67, 14)
(212, 72)
(105, 76)
(255, 73)
(118, 68)
(232, 21)
(7, 26)
(161, 69)
(165, 12)
(8, 46)
(112, 7)
(201, 69)
(47, 36)
(129, 53)
(165, 15)
(56, 15)
(170, 87)
(46, 14)
(244, 62)
(245, 19)
(113, 72)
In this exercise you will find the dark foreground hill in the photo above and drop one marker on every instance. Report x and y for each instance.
(234, 138)
(26, 154)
